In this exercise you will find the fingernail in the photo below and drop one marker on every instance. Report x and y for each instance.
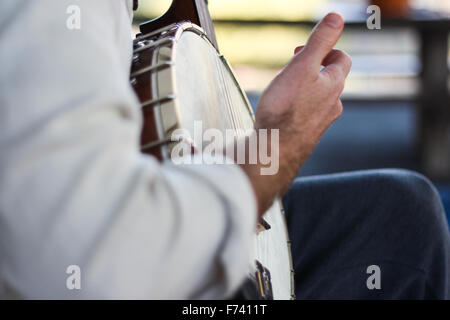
(334, 20)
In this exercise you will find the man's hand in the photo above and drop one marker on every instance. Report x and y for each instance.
(302, 102)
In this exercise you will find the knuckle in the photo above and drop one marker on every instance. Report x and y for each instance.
(339, 109)
(344, 54)
(349, 64)
(337, 76)
(339, 86)
(347, 60)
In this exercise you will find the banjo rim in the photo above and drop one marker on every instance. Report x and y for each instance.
(170, 101)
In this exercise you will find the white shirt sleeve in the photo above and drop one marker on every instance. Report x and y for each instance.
(74, 188)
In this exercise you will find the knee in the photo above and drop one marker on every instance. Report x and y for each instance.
(411, 188)
(415, 198)
(424, 227)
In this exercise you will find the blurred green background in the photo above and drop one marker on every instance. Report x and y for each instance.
(257, 52)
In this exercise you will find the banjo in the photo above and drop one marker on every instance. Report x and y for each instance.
(181, 78)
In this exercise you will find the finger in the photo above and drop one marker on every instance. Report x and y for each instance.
(338, 64)
(298, 49)
(323, 38)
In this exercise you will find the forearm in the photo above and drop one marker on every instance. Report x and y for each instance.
(290, 155)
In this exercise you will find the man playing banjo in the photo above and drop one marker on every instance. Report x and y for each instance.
(75, 189)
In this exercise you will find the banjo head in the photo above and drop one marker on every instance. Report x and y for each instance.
(186, 83)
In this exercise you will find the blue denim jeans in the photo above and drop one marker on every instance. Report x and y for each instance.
(341, 224)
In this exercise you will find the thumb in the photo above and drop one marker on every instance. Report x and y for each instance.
(323, 38)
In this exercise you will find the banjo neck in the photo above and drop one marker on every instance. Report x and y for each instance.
(195, 11)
